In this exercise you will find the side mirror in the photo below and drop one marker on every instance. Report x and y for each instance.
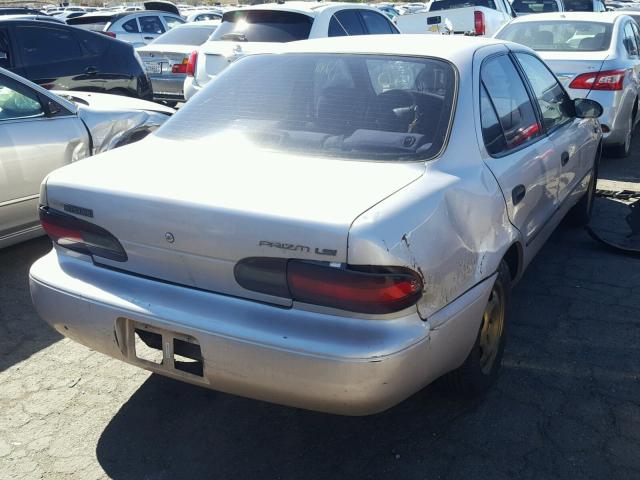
(586, 108)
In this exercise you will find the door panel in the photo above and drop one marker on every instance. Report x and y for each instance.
(31, 146)
(519, 156)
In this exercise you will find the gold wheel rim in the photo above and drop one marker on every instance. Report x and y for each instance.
(492, 328)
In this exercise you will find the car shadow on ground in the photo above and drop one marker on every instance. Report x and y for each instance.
(563, 381)
(22, 332)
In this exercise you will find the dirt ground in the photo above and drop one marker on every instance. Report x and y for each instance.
(567, 404)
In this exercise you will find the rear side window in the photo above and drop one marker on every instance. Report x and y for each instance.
(131, 26)
(325, 105)
(151, 25)
(40, 45)
(345, 23)
(376, 23)
(511, 102)
(263, 26)
(491, 130)
(630, 40)
(450, 4)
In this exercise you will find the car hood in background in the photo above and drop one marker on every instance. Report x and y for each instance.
(114, 120)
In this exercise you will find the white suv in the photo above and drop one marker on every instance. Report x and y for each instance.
(255, 29)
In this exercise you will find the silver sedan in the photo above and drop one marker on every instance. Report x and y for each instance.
(332, 227)
(596, 56)
(41, 131)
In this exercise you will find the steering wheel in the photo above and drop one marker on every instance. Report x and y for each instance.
(393, 111)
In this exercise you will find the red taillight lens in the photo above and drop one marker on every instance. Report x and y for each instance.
(191, 64)
(179, 68)
(80, 236)
(478, 22)
(109, 34)
(375, 290)
(605, 80)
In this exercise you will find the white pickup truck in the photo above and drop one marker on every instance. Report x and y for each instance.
(465, 17)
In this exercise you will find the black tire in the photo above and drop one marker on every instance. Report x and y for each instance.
(480, 370)
(580, 214)
(623, 150)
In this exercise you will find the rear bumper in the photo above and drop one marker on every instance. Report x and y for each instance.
(294, 357)
(168, 87)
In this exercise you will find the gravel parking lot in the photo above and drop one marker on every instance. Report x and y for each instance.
(567, 404)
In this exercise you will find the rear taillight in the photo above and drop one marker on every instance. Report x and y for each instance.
(180, 67)
(478, 22)
(374, 290)
(191, 64)
(109, 34)
(80, 236)
(605, 80)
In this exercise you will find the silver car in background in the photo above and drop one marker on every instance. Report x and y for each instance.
(332, 227)
(595, 55)
(166, 59)
(41, 131)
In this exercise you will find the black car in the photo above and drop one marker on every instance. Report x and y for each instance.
(62, 57)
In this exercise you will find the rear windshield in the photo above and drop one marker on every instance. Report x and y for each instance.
(578, 5)
(356, 106)
(449, 4)
(263, 26)
(561, 36)
(93, 23)
(534, 6)
(185, 36)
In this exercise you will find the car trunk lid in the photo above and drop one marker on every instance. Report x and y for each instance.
(581, 62)
(189, 219)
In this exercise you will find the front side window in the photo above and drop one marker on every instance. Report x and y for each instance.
(151, 25)
(17, 103)
(346, 23)
(263, 26)
(511, 101)
(561, 36)
(554, 103)
(41, 46)
(354, 106)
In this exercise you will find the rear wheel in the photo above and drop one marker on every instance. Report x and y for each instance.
(480, 369)
(580, 214)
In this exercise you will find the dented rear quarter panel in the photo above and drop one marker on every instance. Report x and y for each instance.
(450, 225)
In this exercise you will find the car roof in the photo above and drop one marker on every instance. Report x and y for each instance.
(309, 8)
(600, 17)
(419, 45)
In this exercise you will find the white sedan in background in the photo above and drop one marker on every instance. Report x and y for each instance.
(596, 56)
(41, 131)
(332, 227)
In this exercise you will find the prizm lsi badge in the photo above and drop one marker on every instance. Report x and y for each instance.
(85, 212)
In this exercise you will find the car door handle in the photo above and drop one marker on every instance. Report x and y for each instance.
(564, 158)
(91, 70)
(518, 193)
(148, 38)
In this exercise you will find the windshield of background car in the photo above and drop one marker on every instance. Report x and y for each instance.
(535, 6)
(578, 5)
(357, 106)
(449, 4)
(263, 26)
(560, 36)
(184, 36)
